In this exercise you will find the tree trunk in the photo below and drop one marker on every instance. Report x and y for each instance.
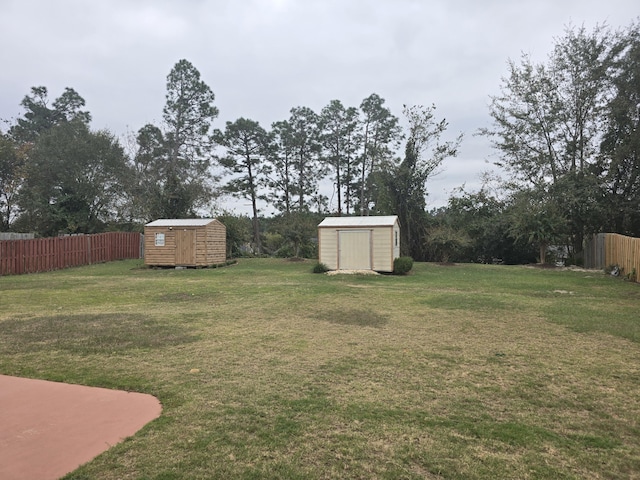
(543, 253)
(254, 206)
(364, 170)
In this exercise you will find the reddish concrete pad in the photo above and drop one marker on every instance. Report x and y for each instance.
(49, 429)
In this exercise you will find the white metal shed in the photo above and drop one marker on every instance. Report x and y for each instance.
(359, 243)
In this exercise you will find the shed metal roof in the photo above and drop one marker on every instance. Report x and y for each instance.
(378, 221)
(180, 222)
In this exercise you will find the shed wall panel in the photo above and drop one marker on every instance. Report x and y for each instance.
(328, 247)
(164, 255)
(382, 249)
(216, 243)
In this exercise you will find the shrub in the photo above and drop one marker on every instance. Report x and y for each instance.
(446, 242)
(633, 275)
(402, 265)
(286, 251)
(320, 268)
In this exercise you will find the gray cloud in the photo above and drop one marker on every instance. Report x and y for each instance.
(263, 57)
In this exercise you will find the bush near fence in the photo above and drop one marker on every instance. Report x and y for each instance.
(45, 254)
(607, 249)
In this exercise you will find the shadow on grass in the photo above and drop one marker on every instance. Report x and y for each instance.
(91, 334)
(355, 317)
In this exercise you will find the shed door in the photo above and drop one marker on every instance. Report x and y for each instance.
(185, 247)
(354, 250)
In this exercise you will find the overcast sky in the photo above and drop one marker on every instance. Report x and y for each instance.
(263, 57)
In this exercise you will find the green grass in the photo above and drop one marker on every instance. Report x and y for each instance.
(266, 370)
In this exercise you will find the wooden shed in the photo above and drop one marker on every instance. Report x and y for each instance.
(359, 243)
(185, 242)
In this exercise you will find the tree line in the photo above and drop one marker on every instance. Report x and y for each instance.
(60, 176)
(565, 132)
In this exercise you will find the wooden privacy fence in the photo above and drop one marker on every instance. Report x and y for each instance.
(607, 249)
(44, 254)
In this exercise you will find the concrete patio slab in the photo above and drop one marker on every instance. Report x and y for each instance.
(49, 429)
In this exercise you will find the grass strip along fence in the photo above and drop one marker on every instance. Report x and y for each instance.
(45, 254)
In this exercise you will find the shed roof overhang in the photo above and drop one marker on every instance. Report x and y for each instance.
(361, 222)
(181, 222)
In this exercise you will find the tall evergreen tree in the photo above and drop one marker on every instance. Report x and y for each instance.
(281, 156)
(40, 117)
(380, 133)
(338, 134)
(246, 144)
(188, 114)
(307, 169)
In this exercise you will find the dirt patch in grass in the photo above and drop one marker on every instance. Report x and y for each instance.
(91, 334)
(355, 317)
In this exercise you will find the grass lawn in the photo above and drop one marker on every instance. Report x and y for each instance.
(265, 370)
